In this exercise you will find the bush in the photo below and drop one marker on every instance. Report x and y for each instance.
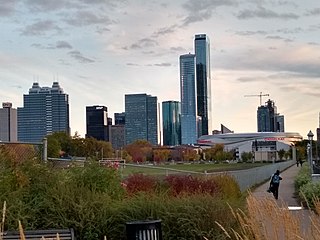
(140, 183)
(91, 200)
(302, 178)
(310, 192)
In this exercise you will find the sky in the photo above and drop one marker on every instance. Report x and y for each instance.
(100, 50)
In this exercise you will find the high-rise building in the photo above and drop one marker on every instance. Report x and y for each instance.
(203, 82)
(268, 119)
(141, 118)
(119, 118)
(117, 131)
(171, 123)
(280, 123)
(188, 99)
(97, 122)
(8, 123)
(45, 111)
(117, 136)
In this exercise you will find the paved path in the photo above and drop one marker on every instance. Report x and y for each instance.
(287, 198)
(286, 189)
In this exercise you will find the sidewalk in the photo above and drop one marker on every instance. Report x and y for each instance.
(286, 189)
(286, 195)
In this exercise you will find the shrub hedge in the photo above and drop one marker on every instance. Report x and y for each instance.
(93, 201)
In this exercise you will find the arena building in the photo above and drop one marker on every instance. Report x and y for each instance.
(263, 145)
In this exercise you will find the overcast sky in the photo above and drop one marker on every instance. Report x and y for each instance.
(100, 50)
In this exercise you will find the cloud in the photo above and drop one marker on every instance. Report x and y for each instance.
(279, 38)
(178, 49)
(290, 31)
(251, 33)
(40, 28)
(63, 45)
(262, 12)
(79, 57)
(162, 64)
(85, 18)
(7, 7)
(132, 64)
(164, 31)
(313, 12)
(201, 10)
(143, 43)
(57, 45)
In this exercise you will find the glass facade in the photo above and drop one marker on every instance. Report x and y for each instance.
(188, 99)
(97, 122)
(119, 118)
(45, 111)
(141, 118)
(171, 123)
(203, 82)
(267, 117)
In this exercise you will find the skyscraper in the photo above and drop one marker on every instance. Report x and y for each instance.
(188, 99)
(141, 118)
(171, 123)
(8, 123)
(117, 131)
(203, 82)
(119, 118)
(97, 122)
(268, 119)
(45, 111)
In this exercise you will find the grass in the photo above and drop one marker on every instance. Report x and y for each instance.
(195, 168)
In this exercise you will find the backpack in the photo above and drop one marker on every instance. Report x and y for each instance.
(276, 179)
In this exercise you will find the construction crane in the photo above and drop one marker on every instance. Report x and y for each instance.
(258, 95)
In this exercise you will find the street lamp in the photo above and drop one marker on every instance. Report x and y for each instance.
(310, 138)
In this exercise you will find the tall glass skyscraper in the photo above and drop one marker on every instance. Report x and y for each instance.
(97, 122)
(141, 118)
(45, 111)
(188, 99)
(203, 82)
(171, 123)
(267, 117)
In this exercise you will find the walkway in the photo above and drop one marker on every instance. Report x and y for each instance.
(287, 198)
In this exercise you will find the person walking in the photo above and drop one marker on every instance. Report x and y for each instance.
(274, 184)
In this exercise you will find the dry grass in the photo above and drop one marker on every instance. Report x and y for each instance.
(266, 219)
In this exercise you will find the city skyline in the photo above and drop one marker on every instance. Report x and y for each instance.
(101, 50)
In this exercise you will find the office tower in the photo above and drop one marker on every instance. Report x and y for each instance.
(117, 136)
(119, 118)
(203, 82)
(8, 123)
(141, 118)
(188, 99)
(45, 111)
(117, 131)
(280, 123)
(171, 123)
(97, 122)
(268, 119)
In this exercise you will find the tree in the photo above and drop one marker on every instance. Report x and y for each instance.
(161, 155)
(246, 156)
(281, 153)
(140, 150)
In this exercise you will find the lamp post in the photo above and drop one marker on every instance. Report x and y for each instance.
(310, 138)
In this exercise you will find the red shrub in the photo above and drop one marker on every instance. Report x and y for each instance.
(140, 183)
(192, 185)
